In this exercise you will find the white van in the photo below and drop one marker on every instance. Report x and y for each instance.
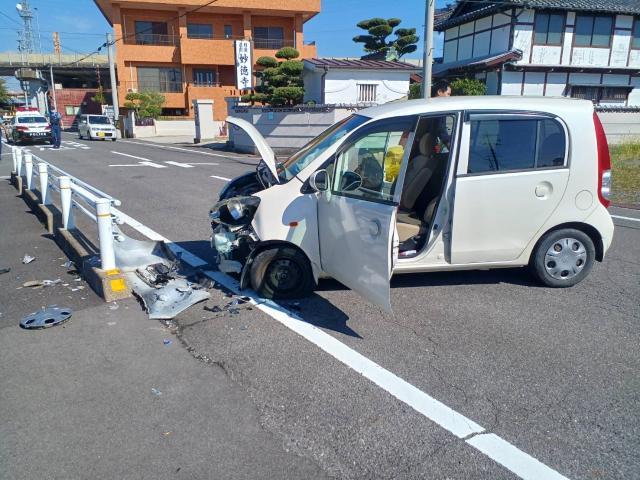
(455, 183)
(96, 127)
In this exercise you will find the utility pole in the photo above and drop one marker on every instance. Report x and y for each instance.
(112, 74)
(427, 59)
(53, 88)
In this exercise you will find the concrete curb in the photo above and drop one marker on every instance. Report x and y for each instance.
(109, 285)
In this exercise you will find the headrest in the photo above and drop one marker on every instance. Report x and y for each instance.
(425, 145)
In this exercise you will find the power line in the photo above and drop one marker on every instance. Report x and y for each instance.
(12, 19)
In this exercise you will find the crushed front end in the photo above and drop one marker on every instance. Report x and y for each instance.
(233, 238)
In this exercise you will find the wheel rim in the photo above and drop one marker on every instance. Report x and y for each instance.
(565, 258)
(284, 275)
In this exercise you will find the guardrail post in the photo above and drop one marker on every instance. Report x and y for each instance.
(43, 174)
(105, 234)
(14, 157)
(19, 164)
(28, 167)
(65, 197)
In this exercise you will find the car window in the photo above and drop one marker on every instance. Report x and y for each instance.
(99, 120)
(515, 144)
(316, 147)
(365, 167)
(32, 120)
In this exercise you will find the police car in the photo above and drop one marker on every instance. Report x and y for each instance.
(29, 125)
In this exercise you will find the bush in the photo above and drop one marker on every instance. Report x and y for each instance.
(145, 104)
(625, 173)
(415, 91)
(287, 53)
(468, 86)
(281, 81)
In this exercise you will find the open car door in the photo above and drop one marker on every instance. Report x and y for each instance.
(357, 212)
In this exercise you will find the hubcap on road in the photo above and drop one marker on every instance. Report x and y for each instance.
(565, 258)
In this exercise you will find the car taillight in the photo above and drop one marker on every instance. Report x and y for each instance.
(22, 129)
(604, 163)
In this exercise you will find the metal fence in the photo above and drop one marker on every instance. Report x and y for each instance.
(74, 195)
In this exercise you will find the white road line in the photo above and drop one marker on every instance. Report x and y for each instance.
(127, 165)
(178, 164)
(220, 178)
(631, 219)
(145, 161)
(493, 446)
(183, 149)
(203, 163)
(151, 164)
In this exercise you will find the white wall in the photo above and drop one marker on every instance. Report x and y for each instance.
(478, 38)
(341, 86)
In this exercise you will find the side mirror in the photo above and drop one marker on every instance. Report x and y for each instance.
(319, 181)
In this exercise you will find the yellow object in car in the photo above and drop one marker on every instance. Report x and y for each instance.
(392, 162)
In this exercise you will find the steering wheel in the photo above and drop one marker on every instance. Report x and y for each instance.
(371, 172)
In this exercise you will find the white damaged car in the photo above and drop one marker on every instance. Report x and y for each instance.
(456, 183)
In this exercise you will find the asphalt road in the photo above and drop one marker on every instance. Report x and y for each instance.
(553, 372)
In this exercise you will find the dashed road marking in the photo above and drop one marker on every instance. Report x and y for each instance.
(178, 164)
(220, 178)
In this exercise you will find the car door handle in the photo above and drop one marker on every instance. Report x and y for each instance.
(375, 228)
(544, 190)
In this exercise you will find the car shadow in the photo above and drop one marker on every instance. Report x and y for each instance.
(513, 276)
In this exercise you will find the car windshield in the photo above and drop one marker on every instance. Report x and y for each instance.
(316, 147)
(32, 120)
(99, 120)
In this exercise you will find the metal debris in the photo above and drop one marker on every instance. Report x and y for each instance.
(156, 392)
(41, 283)
(68, 264)
(28, 259)
(49, 317)
(114, 306)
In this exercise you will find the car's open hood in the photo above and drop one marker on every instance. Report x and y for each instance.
(266, 152)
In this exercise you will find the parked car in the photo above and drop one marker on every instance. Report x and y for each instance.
(483, 182)
(96, 127)
(29, 125)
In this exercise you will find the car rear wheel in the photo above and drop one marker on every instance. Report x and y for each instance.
(282, 273)
(563, 258)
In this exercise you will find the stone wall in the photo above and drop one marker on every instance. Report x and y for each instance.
(284, 129)
(621, 126)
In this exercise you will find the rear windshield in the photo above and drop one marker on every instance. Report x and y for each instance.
(32, 120)
(99, 120)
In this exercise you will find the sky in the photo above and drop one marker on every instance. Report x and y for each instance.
(82, 27)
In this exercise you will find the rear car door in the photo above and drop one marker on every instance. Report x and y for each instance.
(511, 176)
(357, 214)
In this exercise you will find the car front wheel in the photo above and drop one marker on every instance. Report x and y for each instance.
(282, 273)
(563, 258)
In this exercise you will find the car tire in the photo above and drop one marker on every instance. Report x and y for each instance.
(563, 258)
(113, 139)
(79, 135)
(282, 273)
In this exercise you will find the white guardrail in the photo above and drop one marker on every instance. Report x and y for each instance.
(74, 195)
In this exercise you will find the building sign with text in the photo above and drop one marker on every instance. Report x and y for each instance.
(244, 74)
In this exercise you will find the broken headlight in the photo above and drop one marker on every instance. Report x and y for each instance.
(234, 211)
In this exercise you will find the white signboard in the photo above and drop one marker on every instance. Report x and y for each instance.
(244, 74)
(108, 111)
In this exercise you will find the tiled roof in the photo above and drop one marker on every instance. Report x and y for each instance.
(465, 11)
(331, 63)
(492, 60)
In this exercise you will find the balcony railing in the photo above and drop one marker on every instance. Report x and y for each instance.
(162, 86)
(273, 43)
(152, 39)
(196, 36)
(204, 84)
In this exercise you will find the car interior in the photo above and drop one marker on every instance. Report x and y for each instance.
(369, 168)
(424, 182)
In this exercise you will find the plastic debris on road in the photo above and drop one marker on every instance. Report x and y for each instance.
(114, 306)
(28, 259)
(156, 392)
(5, 270)
(166, 341)
(41, 283)
(68, 264)
(48, 317)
